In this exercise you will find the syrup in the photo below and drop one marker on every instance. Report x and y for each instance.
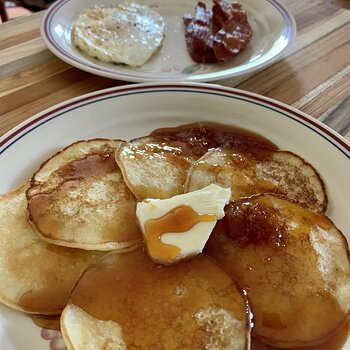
(178, 220)
(181, 306)
(335, 343)
(48, 322)
(59, 270)
(44, 211)
(248, 222)
(91, 165)
(197, 138)
(279, 268)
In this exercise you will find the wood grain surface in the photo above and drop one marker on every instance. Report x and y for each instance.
(313, 75)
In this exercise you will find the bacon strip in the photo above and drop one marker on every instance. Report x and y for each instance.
(217, 35)
(199, 36)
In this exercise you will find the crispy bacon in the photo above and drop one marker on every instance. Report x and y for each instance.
(217, 35)
(199, 35)
(224, 10)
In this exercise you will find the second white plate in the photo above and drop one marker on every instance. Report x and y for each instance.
(273, 30)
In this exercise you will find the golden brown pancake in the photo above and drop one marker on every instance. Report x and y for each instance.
(294, 265)
(247, 174)
(35, 277)
(190, 305)
(152, 168)
(78, 199)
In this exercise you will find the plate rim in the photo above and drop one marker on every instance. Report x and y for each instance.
(55, 48)
(20, 130)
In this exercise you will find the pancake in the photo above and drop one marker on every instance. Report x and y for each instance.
(127, 299)
(153, 168)
(47, 322)
(83, 331)
(294, 265)
(78, 199)
(247, 174)
(35, 277)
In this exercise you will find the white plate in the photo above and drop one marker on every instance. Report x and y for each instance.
(135, 110)
(273, 30)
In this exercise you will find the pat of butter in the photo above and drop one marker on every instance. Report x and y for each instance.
(179, 227)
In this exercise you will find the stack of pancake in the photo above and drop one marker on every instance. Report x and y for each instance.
(275, 268)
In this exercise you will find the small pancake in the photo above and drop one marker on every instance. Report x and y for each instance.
(293, 263)
(190, 305)
(78, 199)
(83, 331)
(153, 168)
(247, 174)
(35, 277)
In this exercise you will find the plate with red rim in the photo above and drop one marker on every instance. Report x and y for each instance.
(272, 24)
(135, 110)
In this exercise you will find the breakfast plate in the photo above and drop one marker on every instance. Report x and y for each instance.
(131, 111)
(272, 24)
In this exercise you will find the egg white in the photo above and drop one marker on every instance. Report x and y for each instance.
(128, 33)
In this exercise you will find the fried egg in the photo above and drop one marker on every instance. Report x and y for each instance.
(128, 33)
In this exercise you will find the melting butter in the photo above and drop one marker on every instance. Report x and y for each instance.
(179, 227)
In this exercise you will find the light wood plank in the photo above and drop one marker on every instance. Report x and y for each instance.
(298, 6)
(23, 56)
(338, 117)
(336, 21)
(20, 25)
(36, 91)
(15, 116)
(23, 50)
(311, 15)
(20, 38)
(32, 76)
(286, 80)
(319, 30)
(321, 99)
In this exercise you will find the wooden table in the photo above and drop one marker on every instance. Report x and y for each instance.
(313, 76)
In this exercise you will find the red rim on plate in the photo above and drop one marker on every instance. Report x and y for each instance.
(321, 129)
